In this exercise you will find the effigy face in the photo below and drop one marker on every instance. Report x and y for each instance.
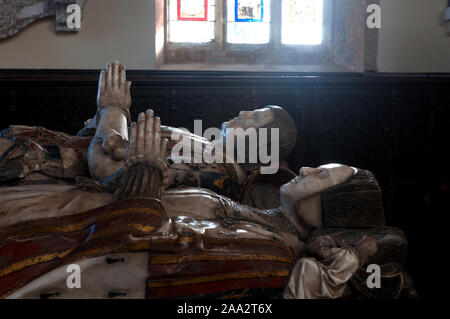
(251, 119)
(312, 181)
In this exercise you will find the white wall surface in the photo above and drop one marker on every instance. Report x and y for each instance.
(413, 36)
(110, 30)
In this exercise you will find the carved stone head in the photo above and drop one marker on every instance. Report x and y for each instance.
(303, 192)
(269, 117)
(311, 181)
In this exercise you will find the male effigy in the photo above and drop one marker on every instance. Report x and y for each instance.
(139, 224)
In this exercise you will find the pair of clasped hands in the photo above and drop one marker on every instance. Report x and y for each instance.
(114, 91)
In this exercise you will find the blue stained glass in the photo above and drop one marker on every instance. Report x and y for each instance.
(249, 10)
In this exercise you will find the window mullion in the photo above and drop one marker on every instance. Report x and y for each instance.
(275, 29)
(219, 30)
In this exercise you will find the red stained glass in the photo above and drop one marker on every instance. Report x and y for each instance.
(192, 10)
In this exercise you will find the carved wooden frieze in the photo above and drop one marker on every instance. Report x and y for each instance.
(15, 15)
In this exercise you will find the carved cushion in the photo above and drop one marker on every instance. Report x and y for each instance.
(392, 282)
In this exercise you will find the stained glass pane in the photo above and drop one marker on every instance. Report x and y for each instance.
(249, 10)
(191, 21)
(302, 22)
(248, 21)
(192, 10)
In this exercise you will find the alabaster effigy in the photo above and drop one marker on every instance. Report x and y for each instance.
(117, 205)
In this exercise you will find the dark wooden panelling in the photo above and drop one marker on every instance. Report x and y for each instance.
(396, 126)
